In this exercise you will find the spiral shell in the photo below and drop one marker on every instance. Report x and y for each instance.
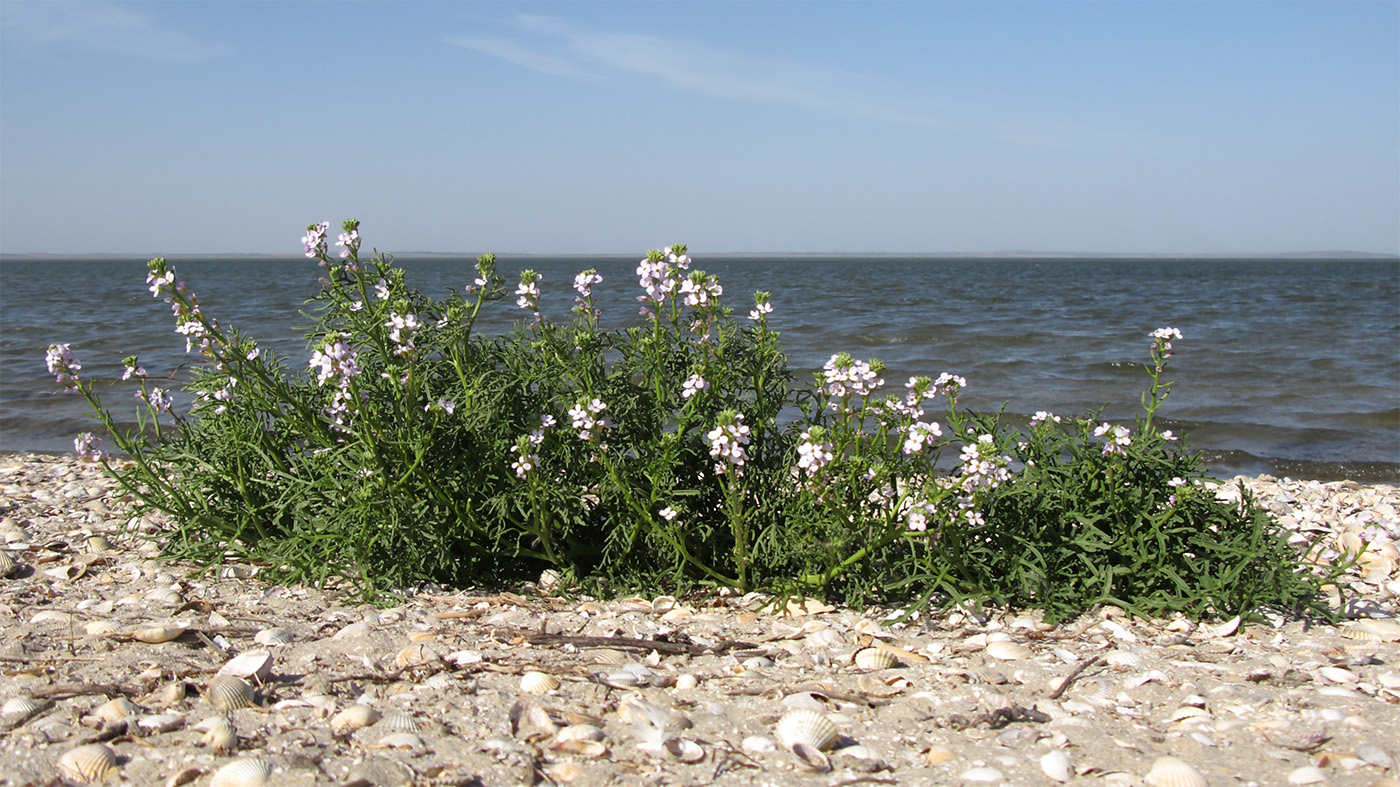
(353, 718)
(1171, 772)
(229, 692)
(875, 658)
(94, 762)
(538, 682)
(155, 635)
(247, 772)
(807, 727)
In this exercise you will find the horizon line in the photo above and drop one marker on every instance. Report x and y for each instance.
(1002, 254)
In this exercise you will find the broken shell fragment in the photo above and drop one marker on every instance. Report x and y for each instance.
(1172, 772)
(229, 692)
(808, 728)
(94, 762)
(533, 682)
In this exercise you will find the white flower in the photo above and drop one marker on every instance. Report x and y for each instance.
(668, 513)
(693, 385)
(919, 435)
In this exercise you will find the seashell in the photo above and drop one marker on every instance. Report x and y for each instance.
(1371, 754)
(184, 777)
(1308, 774)
(273, 637)
(580, 732)
(397, 721)
(219, 734)
(1057, 766)
(19, 706)
(230, 692)
(609, 656)
(160, 722)
(1008, 651)
(1373, 630)
(1338, 675)
(253, 663)
(807, 727)
(758, 744)
(353, 630)
(353, 718)
(155, 635)
(401, 740)
(875, 658)
(811, 759)
(94, 762)
(52, 616)
(246, 772)
(1123, 658)
(533, 682)
(168, 596)
(684, 750)
(583, 748)
(686, 682)
(549, 581)
(171, 694)
(101, 628)
(565, 772)
(984, 773)
(116, 709)
(8, 565)
(416, 656)
(1171, 772)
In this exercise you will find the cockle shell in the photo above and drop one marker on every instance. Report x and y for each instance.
(397, 721)
(253, 663)
(167, 596)
(353, 718)
(247, 772)
(1171, 772)
(273, 637)
(401, 740)
(101, 628)
(416, 655)
(18, 706)
(116, 709)
(94, 762)
(807, 727)
(538, 682)
(1008, 651)
(229, 692)
(219, 734)
(875, 658)
(155, 635)
(8, 565)
(1057, 766)
(1373, 630)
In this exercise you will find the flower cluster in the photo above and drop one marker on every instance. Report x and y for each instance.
(335, 362)
(190, 322)
(1044, 416)
(700, 290)
(813, 455)
(949, 384)
(693, 385)
(401, 329)
(1119, 437)
(132, 369)
(920, 435)
(528, 293)
(63, 365)
(583, 418)
(85, 445)
(657, 275)
(761, 307)
(727, 441)
(314, 242)
(584, 283)
(159, 399)
(843, 376)
(349, 241)
(526, 448)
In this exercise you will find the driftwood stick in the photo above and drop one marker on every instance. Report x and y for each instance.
(1074, 674)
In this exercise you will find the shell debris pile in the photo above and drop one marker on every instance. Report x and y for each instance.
(123, 670)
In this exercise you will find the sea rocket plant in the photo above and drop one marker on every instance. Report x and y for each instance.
(727, 441)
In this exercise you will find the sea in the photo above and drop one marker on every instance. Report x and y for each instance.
(1289, 367)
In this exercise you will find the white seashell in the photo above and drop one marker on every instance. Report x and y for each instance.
(982, 774)
(1338, 675)
(684, 750)
(155, 635)
(1308, 774)
(273, 637)
(583, 748)
(1123, 658)
(94, 762)
(167, 596)
(811, 759)
(219, 734)
(101, 628)
(807, 727)
(1171, 772)
(875, 658)
(181, 778)
(533, 682)
(353, 718)
(247, 772)
(52, 616)
(1371, 754)
(160, 722)
(758, 744)
(397, 721)
(416, 656)
(353, 630)
(18, 706)
(116, 709)
(1008, 651)
(253, 663)
(580, 732)
(1226, 629)
(1057, 766)
(230, 692)
(1371, 629)
(686, 682)
(401, 740)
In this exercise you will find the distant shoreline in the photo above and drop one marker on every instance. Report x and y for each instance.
(1347, 256)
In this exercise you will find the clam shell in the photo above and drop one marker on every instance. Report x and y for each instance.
(401, 740)
(397, 721)
(416, 655)
(538, 682)
(1057, 766)
(1171, 772)
(17, 706)
(94, 762)
(230, 692)
(1373, 630)
(253, 663)
(1308, 774)
(1008, 651)
(219, 734)
(155, 635)
(580, 732)
(684, 750)
(101, 628)
(247, 772)
(168, 596)
(8, 565)
(875, 658)
(116, 709)
(353, 718)
(273, 637)
(807, 727)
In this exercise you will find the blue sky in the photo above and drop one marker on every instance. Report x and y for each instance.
(1117, 127)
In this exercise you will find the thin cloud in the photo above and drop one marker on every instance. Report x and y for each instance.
(689, 66)
(102, 27)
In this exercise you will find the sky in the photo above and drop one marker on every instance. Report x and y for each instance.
(588, 127)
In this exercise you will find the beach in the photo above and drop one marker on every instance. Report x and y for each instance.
(109, 652)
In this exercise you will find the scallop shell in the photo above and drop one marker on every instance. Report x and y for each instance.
(253, 663)
(353, 718)
(807, 727)
(273, 637)
(116, 709)
(230, 692)
(538, 682)
(875, 658)
(247, 772)
(1008, 651)
(1373, 630)
(94, 762)
(1171, 772)
(155, 635)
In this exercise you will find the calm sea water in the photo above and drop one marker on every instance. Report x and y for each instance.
(1290, 367)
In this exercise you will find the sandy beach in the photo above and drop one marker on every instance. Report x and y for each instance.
(111, 661)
